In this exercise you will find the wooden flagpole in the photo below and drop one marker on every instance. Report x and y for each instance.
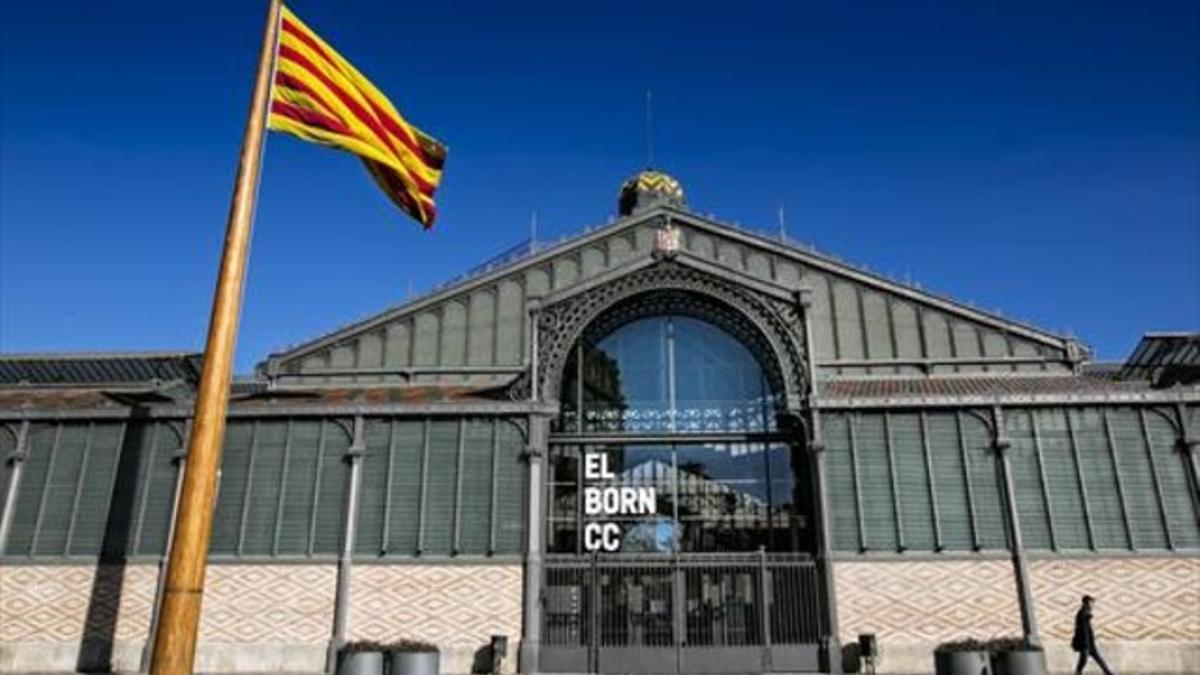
(175, 639)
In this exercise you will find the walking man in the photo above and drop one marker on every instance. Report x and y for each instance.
(1084, 640)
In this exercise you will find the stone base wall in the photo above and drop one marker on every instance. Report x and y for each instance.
(1146, 617)
(257, 617)
(266, 617)
(457, 607)
(71, 617)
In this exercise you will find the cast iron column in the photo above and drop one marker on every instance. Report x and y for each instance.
(17, 458)
(341, 602)
(1020, 565)
(816, 448)
(531, 633)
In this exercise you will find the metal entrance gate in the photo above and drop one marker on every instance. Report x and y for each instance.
(692, 613)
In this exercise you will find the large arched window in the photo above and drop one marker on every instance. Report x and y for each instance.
(666, 373)
(636, 390)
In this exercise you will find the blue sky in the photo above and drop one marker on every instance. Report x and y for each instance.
(1039, 158)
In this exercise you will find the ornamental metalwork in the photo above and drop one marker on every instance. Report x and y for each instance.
(769, 326)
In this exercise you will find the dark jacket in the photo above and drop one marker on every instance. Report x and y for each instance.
(1084, 639)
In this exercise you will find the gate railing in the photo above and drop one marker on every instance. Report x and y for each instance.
(613, 612)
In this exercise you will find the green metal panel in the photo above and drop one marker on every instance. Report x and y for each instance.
(404, 500)
(879, 513)
(592, 261)
(425, 339)
(1066, 494)
(537, 282)
(937, 340)
(729, 254)
(331, 490)
(566, 272)
(454, 334)
(95, 490)
(1173, 470)
(262, 508)
(913, 482)
(966, 343)
(759, 265)
(510, 323)
(985, 484)
(643, 238)
(908, 337)
(156, 492)
(342, 357)
(995, 346)
(620, 249)
(839, 469)
(1096, 459)
(59, 493)
(511, 488)
(788, 273)
(481, 327)
(847, 320)
(40, 450)
(879, 328)
(441, 477)
(1137, 475)
(822, 322)
(315, 362)
(398, 344)
(699, 244)
(1027, 481)
(1023, 348)
(298, 494)
(475, 498)
(949, 482)
(231, 489)
(372, 497)
(370, 353)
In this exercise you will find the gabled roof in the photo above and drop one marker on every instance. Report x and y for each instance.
(486, 275)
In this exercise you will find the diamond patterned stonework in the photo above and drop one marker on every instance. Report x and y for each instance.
(453, 606)
(926, 602)
(1138, 599)
(52, 603)
(289, 604)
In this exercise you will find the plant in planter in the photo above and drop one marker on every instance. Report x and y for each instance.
(362, 657)
(962, 657)
(1014, 656)
(412, 657)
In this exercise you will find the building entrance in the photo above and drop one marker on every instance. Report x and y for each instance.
(679, 523)
(686, 613)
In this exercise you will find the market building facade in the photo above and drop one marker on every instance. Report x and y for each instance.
(665, 445)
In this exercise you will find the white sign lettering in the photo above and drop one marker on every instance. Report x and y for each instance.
(610, 500)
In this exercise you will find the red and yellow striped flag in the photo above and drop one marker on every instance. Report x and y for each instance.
(320, 97)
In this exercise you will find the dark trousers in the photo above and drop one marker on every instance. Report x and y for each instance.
(1095, 654)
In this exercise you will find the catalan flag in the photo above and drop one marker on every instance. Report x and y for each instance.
(320, 97)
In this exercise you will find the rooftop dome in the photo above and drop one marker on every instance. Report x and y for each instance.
(649, 188)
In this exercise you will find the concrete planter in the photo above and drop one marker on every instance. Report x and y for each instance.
(962, 663)
(413, 663)
(361, 663)
(1031, 662)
